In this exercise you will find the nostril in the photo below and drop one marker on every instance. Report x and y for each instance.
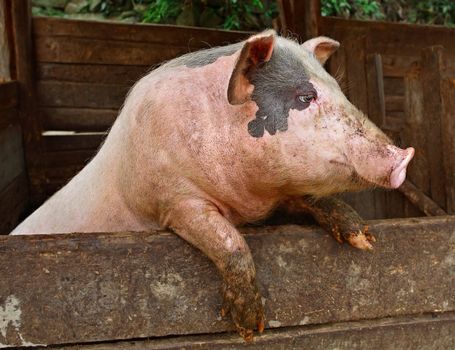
(398, 174)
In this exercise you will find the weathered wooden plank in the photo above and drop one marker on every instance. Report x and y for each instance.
(8, 95)
(422, 332)
(11, 154)
(376, 112)
(306, 15)
(92, 287)
(150, 33)
(13, 203)
(394, 103)
(86, 73)
(8, 117)
(81, 95)
(78, 119)
(431, 69)
(73, 49)
(448, 139)
(392, 38)
(393, 86)
(23, 73)
(77, 141)
(414, 132)
(4, 45)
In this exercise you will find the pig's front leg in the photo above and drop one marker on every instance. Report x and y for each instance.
(201, 224)
(336, 217)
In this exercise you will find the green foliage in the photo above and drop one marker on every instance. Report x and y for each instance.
(227, 14)
(411, 11)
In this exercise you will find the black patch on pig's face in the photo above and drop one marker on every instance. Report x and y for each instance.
(277, 85)
(204, 57)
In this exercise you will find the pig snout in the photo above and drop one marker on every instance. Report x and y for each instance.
(381, 164)
(398, 174)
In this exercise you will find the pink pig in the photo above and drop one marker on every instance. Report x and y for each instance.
(218, 138)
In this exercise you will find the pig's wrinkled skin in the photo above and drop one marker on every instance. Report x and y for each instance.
(213, 140)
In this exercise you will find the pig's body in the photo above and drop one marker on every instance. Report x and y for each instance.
(156, 155)
(219, 138)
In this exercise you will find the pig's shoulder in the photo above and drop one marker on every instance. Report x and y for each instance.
(203, 57)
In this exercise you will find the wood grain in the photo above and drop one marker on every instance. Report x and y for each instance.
(94, 287)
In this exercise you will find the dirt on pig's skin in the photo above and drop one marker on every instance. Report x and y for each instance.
(220, 138)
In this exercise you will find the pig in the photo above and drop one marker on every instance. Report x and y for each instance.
(221, 137)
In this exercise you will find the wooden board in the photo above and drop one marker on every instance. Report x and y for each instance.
(11, 154)
(422, 332)
(81, 95)
(8, 95)
(150, 33)
(13, 203)
(94, 287)
(87, 73)
(78, 119)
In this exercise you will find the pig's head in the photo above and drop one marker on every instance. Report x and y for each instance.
(320, 143)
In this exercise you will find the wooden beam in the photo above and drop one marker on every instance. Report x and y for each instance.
(4, 49)
(431, 74)
(23, 72)
(78, 288)
(448, 138)
(420, 200)
(307, 16)
(417, 332)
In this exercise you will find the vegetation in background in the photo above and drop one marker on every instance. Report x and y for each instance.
(410, 11)
(243, 14)
(227, 14)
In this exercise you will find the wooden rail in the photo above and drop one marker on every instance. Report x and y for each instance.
(82, 288)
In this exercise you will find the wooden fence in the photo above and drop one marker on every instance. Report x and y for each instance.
(13, 177)
(83, 73)
(87, 288)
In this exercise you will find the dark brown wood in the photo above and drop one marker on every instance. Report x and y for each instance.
(93, 287)
(307, 14)
(73, 141)
(420, 200)
(448, 139)
(4, 47)
(146, 33)
(23, 73)
(8, 117)
(389, 38)
(413, 332)
(78, 119)
(11, 154)
(414, 133)
(13, 203)
(72, 49)
(86, 73)
(432, 65)
(81, 95)
(394, 86)
(8, 95)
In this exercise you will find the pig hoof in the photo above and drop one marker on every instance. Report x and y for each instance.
(245, 306)
(360, 239)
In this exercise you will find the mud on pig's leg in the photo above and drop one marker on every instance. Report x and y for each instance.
(201, 224)
(336, 217)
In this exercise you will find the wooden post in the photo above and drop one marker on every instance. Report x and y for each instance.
(4, 50)
(432, 67)
(448, 140)
(307, 15)
(22, 71)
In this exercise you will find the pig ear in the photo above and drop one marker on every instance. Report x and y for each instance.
(322, 47)
(256, 50)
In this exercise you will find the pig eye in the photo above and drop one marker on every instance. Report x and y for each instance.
(307, 98)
